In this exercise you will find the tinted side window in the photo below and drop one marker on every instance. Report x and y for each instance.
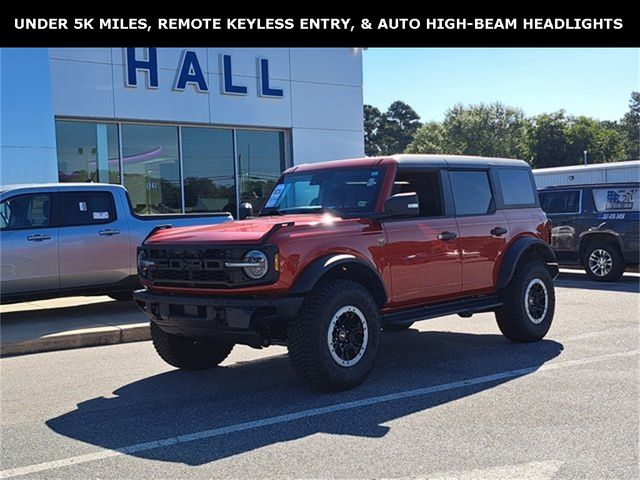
(567, 201)
(426, 185)
(26, 211)
(471, 192)
(516, 185)
(88, 208)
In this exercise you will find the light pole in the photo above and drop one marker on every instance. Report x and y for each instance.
(585, 158)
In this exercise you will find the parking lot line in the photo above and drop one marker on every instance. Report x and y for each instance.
(290, 417)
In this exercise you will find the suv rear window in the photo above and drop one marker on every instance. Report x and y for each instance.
(471, 192)
(561, 201)
(517, 189)
(88, 208)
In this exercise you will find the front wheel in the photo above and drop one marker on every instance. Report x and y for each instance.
(187, 353)
(528, 303)
(603, 261)
(334, 340)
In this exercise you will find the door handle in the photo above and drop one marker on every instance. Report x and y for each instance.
(498, 231)
(446, 236)
(109, 232)
(38, 237)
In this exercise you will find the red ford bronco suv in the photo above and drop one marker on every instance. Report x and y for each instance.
(342, 250)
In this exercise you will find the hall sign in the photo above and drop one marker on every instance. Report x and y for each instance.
(189, 72)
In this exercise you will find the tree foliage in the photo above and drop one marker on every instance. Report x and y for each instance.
(546, 140)
(389, 132)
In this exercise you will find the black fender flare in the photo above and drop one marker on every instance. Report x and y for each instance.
(515, 252)
(321, 266)
(586, 236)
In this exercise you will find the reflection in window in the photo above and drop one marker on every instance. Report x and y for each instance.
(207, 159)
(151, 168)
(87, 152)
(260, 162)
(25, 211)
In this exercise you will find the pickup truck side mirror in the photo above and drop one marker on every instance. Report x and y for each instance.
(402, 205)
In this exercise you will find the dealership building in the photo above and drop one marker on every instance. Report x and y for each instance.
(185, 130)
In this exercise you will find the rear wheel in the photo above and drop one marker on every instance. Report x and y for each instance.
(334, 340)
(603, 261)
(528, 303)
(187, 353)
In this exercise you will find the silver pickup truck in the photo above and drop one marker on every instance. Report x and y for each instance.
(74, 239)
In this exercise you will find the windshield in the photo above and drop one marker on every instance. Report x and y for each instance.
(344, 191)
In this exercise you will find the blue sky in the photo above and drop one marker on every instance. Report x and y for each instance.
(596, 82)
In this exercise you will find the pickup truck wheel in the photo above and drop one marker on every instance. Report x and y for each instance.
(603, 261)
(186, 353)
(333, 342)
(528, 303)
(122, 296)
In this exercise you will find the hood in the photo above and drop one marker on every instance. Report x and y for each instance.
(249, 231)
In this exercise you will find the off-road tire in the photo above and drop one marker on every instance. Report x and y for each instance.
(512, 317)
(307, 336)
(397, 328)
(122, 296)
(186, 353)
(617, 262)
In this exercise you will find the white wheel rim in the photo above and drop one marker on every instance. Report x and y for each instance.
(536, 301)
(600, 262)
(347, 336)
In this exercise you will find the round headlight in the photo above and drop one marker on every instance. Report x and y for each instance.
(259, 264)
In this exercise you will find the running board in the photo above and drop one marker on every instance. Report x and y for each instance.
(464, 308)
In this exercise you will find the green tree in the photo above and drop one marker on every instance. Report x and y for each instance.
(629, 128)
(397, 128)
(494, 130)
(601, 142)
(548, 140)
(429, 138)
(372, 120)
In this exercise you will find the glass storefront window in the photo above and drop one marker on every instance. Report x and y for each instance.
(151, 168)
(207, 160)
(87, 152)
(260, 162)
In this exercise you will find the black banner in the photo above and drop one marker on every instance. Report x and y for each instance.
(349, 27)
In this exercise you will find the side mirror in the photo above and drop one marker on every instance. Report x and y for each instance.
(402, 205)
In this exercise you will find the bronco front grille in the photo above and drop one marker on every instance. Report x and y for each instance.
(204, 267)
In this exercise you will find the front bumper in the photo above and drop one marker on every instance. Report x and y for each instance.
(247, 320)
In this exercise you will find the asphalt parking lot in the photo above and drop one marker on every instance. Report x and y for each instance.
(448, 399)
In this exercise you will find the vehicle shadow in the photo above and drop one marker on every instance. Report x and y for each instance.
(628, 283)
(180, 402)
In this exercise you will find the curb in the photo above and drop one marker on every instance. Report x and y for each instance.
(88, 337)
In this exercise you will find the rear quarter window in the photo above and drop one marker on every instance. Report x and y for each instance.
(517, 188)
(616, 199)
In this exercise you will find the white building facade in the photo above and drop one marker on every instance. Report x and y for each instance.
(184, 129)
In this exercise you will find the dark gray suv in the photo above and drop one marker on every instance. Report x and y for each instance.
(596, 226)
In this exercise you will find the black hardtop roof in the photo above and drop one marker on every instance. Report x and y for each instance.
(419, 160)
